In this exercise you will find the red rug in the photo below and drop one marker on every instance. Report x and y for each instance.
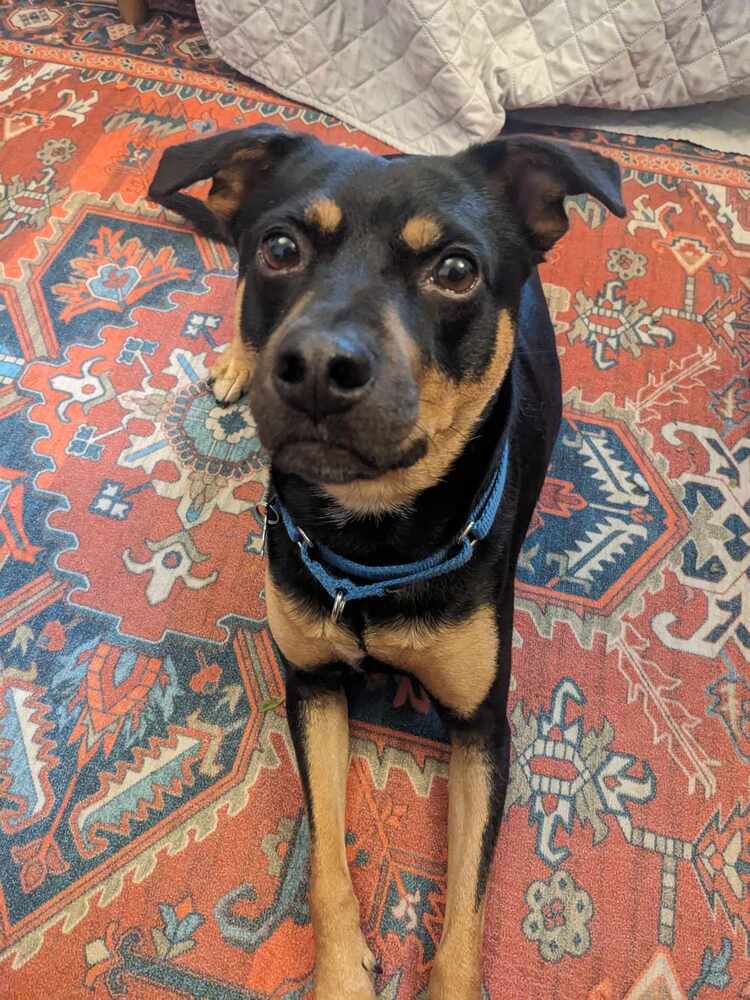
(152, 840)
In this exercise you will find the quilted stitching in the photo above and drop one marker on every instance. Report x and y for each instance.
(431, 75)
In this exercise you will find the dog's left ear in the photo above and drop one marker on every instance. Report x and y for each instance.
(233, 160)
(536, 175)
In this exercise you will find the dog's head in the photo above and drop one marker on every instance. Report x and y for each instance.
(377, 295)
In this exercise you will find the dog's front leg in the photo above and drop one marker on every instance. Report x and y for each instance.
(319, 721)
(232, 371)
(466, 668)
(477, 780)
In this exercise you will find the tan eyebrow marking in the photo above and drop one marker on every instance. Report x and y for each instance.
(421, 232)
(325, 214)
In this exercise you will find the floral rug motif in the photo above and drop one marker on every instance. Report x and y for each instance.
(152, 838)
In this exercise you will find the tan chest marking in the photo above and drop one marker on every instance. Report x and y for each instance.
(456, 662)
(308, 640)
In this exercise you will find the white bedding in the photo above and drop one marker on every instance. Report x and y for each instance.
(430, 76)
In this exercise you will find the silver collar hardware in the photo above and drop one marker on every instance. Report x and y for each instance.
(466, 534)
(338, 606)
(345, 580)
(270, 517)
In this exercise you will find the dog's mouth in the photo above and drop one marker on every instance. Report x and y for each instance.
(320, 461)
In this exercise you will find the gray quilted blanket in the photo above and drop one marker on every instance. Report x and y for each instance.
(430, 76)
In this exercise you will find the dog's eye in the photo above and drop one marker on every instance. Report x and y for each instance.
(456, 273)
(280, 252)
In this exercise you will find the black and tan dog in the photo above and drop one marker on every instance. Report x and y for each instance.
(394, 340)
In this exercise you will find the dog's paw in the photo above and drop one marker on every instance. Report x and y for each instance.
(345, 987)
(338, 973)
(458, 983)
(369, 962)
(229, 378)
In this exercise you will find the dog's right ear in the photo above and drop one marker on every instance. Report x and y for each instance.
(536, 175)
(232, 160)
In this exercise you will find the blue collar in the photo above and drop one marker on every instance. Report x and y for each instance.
(362, 581)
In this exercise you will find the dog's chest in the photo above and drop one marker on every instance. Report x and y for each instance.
(394, 643)
(388, 643)
(346, 648)
(455, 662)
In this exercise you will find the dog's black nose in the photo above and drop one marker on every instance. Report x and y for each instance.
(322, 373)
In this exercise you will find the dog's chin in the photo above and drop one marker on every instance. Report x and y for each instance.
(319, 462)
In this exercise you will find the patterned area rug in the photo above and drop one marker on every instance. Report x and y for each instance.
(152, 839)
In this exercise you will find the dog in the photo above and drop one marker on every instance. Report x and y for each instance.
(392, 334)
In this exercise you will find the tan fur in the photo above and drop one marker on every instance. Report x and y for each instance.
(226, 192)
(307, 640)
(400, 348)
(325, 214)
(228, 187)
(251, 153)
(235, 366)
(342, 959)
(456, 662)
(421, 232)
(539, 196)
(448, 412)
(456, 974)
(230, 182)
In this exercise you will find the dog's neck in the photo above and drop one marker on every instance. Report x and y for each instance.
(412, 531)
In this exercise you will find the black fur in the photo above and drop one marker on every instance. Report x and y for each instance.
(502, 203)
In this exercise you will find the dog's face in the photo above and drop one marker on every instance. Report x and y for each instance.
(376, 295)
